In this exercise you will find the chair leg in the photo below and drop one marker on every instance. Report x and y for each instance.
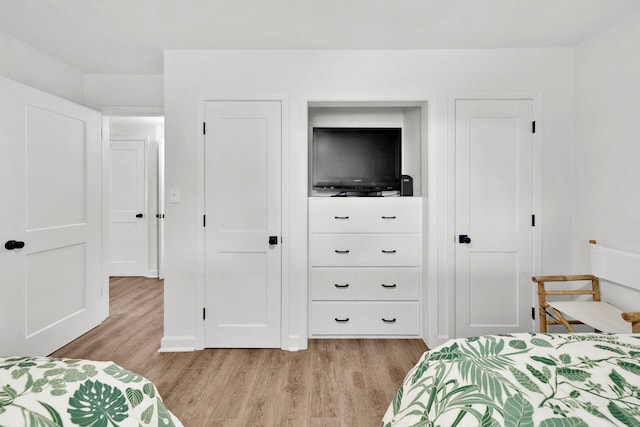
(562, 320)
(542, 303)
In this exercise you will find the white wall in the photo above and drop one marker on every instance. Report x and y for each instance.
(317, 75)
(27, 65)
(607, 148)
(128, 93)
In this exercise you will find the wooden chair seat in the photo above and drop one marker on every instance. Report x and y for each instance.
(601, 316)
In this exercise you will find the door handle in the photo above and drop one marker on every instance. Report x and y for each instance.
(463, 238)
(273, 240)
(13, 244)
(139, 215)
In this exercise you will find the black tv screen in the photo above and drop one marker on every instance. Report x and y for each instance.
(357, 159)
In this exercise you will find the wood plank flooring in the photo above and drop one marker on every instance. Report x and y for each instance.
(333, 383)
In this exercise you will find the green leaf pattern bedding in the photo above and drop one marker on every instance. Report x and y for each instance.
(523, 380)
(46, 392)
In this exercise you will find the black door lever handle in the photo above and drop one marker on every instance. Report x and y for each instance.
(273, 240)
(139, 215)
(13, 244)
(463, 238)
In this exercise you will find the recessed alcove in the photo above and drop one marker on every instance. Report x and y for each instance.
(410, 116)
(366, 253)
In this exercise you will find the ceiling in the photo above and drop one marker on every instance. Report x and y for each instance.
(128, 36)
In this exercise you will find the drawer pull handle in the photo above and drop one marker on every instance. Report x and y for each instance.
(393, 251)
(341, 252)
(389, 286)
(341, 217)
(346, 285)
(389, 320)
(345, 320)
(389, 217)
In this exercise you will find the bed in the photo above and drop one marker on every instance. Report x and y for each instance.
(528, 379)
(46, 392)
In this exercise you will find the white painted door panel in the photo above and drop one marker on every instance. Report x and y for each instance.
(50, 179)
(242, 202)
(494, 204)
(160, 214)
(127, 230)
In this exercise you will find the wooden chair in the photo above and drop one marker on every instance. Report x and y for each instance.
(602, 316)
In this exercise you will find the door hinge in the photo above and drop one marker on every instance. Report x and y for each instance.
(533, 126)
(204, 313)
(533, 220)
(204, 220)
(204, 128)
(533, 313)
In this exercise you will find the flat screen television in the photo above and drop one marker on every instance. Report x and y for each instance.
(356, 159)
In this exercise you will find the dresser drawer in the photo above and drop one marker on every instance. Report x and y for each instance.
(351, 283)
(364, 215)
(364, 250)
(364, 318)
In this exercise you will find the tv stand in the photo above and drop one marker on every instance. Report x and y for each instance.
(364, 259)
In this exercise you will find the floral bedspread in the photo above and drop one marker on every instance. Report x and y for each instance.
(45, 392)
(523, 380)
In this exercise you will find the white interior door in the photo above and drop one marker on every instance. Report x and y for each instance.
(494, 207)
(242, 202)
(51, 278)
(128, 237)
(160, 214)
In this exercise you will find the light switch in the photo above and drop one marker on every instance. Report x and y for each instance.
(174, 194)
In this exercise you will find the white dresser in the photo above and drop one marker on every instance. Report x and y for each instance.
(365, 263)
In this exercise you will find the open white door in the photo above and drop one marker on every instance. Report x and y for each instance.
(243, 263)
(160, 214)
(494, 207)
(51, 259)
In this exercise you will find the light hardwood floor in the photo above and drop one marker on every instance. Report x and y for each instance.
(333, 383)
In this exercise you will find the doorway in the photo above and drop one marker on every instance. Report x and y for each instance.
(134, 203)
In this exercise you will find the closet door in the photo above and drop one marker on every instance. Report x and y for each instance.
(242, 232)
(494, 207)
(51, 280)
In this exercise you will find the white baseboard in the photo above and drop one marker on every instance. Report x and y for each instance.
(294, 344)
(177, 344)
